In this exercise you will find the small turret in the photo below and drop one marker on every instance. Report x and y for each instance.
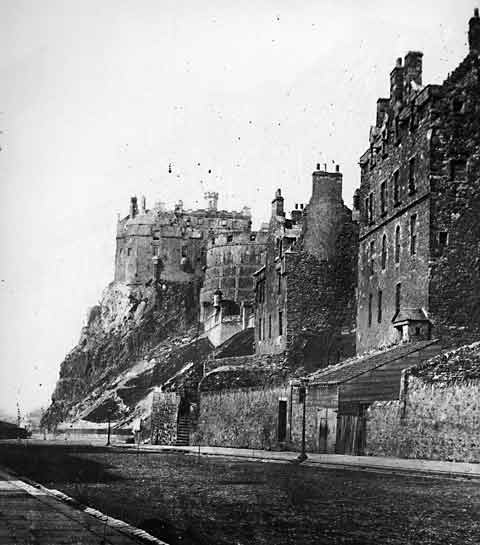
(474, 33)
(133, 207)
(212, 200)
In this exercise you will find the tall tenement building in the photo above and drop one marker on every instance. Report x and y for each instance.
(419, 202)
(305, 291)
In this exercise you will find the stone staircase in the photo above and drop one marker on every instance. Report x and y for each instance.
(183, 431)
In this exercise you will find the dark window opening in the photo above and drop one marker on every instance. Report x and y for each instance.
(398, 297)
(413, 235)
(129, 251)
(442, 241)
(260, 328)
(370, 209)
(397, 244)
(229, 238)
(280, 323)
(383, 198)
(372, 258)
(379, 309)
(282, 421)
(396, 188)
(417, 331)
(269, 326)
(384, 252)
(457, 105)
(458, 169)
(279, 282)
(411, 176)
(370, 310)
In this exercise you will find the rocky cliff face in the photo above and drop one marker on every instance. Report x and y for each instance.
(134, 339)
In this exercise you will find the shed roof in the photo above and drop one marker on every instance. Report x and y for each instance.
(354, 367)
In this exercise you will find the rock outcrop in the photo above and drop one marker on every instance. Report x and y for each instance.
(136, 338)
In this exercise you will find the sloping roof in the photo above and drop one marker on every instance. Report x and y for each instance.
(241, 344)
(354, 367)
(411, 315)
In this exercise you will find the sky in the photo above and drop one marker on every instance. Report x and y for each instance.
(98, 98)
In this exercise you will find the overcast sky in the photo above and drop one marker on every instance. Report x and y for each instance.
(98, 97)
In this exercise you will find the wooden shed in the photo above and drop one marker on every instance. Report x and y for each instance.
(338, 396)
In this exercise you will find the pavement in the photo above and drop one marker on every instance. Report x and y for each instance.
(433, 468)
(33, 515)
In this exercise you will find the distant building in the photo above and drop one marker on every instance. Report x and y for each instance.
(419, 203)
(226, 298)
(170, 244)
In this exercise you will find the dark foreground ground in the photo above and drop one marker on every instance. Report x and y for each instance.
(209, 501)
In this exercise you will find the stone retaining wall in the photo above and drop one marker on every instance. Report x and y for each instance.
(438, 422)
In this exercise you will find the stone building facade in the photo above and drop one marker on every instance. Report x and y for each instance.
(305, 292)
(418, 200)
(170, 244)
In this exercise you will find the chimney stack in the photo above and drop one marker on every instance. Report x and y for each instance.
(277, 204)
(133, 207)
(474, 33)
(396, 83)
(144, 204)
(413, 70)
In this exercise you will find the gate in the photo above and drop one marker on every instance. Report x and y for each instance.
(351, 431)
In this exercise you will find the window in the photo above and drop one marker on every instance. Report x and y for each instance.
(442, 241)
(280, 323)
(155, 250)
(458, 169)
(279, 282)
(397, 244)
(411, 176)
(398, 297)
(370, 209)
(396, 188)
(129, 251)
(379, 308)
(229, 238)
(383, 198)
(263, 329)
(120, 252)
(413, 235)
(372, 257)
(269, 326)
(384, 252)
(457, 105)
(370, 310)
(260, 328)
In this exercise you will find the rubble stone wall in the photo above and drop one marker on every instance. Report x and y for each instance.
(438, 422)
(245, 418)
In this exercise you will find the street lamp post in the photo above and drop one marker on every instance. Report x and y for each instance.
(302, 394)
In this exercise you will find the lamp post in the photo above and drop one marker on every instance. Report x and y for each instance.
(302, 397)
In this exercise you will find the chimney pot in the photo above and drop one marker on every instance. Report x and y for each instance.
(318, 166)
(337, 168)
(476, 13)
